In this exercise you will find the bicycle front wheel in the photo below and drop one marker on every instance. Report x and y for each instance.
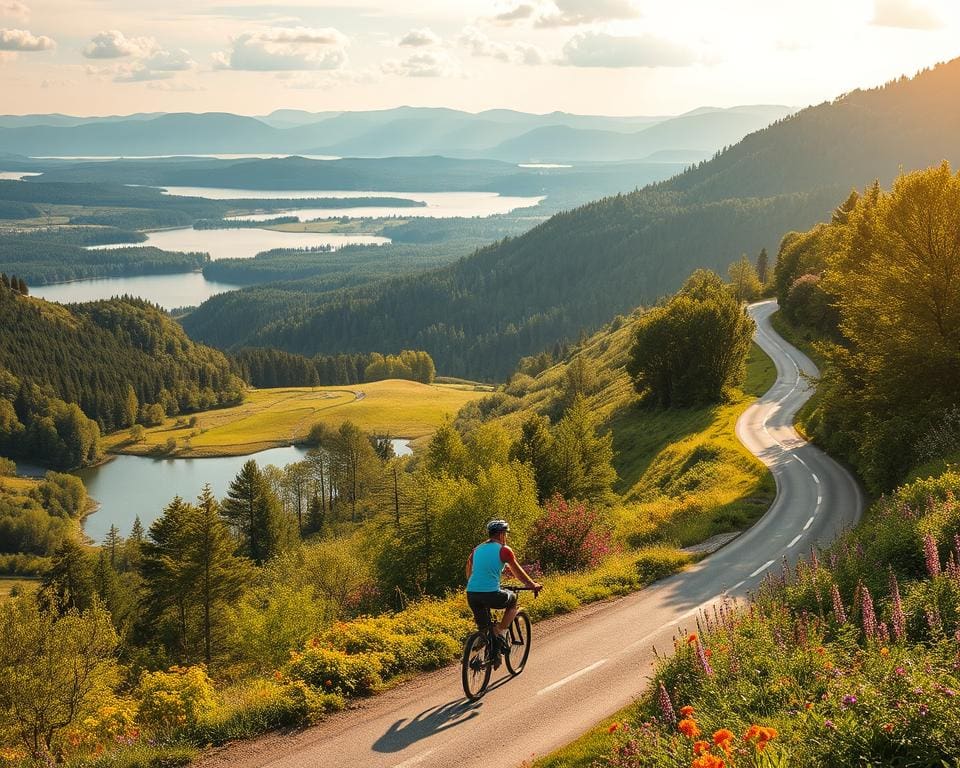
(518, 639)
(475, 667)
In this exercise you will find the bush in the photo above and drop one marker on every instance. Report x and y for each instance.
(176, 699)
(334, 671)
(568, 537)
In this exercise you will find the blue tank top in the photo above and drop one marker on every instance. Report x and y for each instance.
(487, 567)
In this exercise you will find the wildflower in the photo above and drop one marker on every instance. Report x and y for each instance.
(723, 738)
(708, 761)
(686, 711)
(328, 683)
(887, 727)
(703, 661)
(884, 652)
(838, 612)
(613, 727)
(828, 724)
(666, 707)
(931, 556)
(900, 671)
(849, 700)
(897, 618)
(692, 638)
(688, 727)
(700, 747)
(924, 710)
(867, 613)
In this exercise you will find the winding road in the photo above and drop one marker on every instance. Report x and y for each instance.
(585, 666)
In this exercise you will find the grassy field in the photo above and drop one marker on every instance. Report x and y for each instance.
(269, 418)
(17, 584)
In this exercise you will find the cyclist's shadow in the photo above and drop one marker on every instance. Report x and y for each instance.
(434, 720)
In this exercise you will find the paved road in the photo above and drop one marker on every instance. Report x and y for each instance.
(585, 667)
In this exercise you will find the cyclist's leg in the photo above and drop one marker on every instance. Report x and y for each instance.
(509, 612)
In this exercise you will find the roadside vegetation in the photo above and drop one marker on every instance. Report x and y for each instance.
(848, 657)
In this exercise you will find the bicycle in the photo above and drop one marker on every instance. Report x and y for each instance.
(481, 651)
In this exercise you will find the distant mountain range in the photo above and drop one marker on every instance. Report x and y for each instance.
(581, 267)
(495, 134)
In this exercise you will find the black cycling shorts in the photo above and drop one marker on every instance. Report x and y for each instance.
(481, 603)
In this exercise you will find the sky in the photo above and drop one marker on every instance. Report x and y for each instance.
(612, 57)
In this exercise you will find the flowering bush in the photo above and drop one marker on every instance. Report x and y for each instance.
(568, 537)
(175, 700)
(334, 671)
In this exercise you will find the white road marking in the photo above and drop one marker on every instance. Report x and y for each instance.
(795, 540)
(816, 479)
(416, 759)
(809, 522)
(761, 569)
(737, 585)
(572, 677)
(819, 499)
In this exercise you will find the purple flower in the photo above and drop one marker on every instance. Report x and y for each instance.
(666, 706)
(849, 700)
(923, 710)
(868, 614)
(900, 671)
(829, 724)
(702, 660)
(931, 556)
(839, 614)
(897, 618)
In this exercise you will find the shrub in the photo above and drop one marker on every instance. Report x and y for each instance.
(334, 671)
(568, 537)
(176, 699)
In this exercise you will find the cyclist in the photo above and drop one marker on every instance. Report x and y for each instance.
(484, 566)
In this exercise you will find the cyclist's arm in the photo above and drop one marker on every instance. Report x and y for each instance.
(507, 555)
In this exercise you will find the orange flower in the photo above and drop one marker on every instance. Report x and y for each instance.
(691, 638)
(708, 761)
(884, 652)
(688, 727)
(686, 711)
(887, 727)
(723, 738)
(700, 747)
(613, 727)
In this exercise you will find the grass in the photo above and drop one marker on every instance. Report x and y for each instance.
(16, 583)
(269, 418)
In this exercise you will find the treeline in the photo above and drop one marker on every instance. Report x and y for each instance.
(14, 283)
(42, 262)
(275, 368)
(340, 268)
(878, 283)
(243, 223)
(115, 360)
(36, 521)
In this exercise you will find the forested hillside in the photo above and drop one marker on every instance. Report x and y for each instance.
(478, 316)
(66, 374)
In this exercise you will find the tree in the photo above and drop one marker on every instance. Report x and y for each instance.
(583, 460)
(446, 454)
(535, 447)
(763, 267)
(53, 669)
(68, 584)
(216, 575)
(358, 463)
(745, 285)
(694, 349)
(112, 543)
(253, 511)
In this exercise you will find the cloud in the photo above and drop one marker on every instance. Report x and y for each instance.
(170, 61)
(113, 44)
(22, 40)
(598, 49)
(512, 53)
(906, 14)
(138, 73)
(418, 38)
(278, 49)
(426, 64)
(519, 13)
(14, 8)
(174, 86)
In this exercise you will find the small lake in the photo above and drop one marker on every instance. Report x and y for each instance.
(439, 205)
(127, 486)
(188, 289)
(244, 243)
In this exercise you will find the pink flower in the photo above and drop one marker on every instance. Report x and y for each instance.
(931, 556)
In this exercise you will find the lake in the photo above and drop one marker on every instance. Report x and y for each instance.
(188, 289)
(439, 205)
(15, 175)
(244, 243)
(127, 486)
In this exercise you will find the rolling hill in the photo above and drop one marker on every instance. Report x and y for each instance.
(581, 267)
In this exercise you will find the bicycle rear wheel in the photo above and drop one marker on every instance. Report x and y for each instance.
(475, 667)
(518, 639)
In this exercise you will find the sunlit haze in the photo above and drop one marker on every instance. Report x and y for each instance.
(589, 56)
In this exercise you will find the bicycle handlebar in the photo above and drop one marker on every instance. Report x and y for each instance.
(519, 588)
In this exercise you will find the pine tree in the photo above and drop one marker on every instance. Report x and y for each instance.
(253, 511)
(763, 267)
(22, 287)
(216, 574)
(69, 582)
(112, 542)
